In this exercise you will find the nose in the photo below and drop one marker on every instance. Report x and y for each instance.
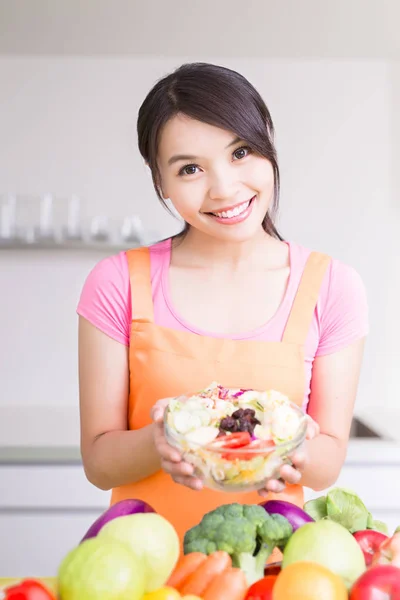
(223, 184)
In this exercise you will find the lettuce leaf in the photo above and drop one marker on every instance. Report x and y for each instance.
(346, 508)
(316, 508)
(380, 526)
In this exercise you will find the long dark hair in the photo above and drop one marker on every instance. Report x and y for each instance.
(215, 95)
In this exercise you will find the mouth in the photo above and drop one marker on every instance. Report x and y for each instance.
(236, 214)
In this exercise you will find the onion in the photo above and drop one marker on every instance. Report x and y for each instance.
(122, 508)
(293, 513)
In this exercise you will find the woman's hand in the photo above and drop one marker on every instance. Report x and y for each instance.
(292, 473)
(171, 459)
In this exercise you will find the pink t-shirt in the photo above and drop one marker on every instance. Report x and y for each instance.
(340, 316)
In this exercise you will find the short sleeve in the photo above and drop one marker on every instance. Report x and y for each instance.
(344, 309)
(105, 299)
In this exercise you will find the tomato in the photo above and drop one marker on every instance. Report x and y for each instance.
(261, 445)
(369, 542)
(262, 589)
(377, 583)
(28, 589)
(233, 440)
(241, 439)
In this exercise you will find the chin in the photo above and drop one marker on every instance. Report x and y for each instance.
(236, 234)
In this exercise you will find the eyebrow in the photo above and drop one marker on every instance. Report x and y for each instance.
(179, 157)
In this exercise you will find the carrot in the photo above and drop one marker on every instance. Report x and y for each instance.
(230, 584)
(199, 581)
(187, 564)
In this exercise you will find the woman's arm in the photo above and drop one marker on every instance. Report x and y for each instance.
(112, 455)
(334, 386)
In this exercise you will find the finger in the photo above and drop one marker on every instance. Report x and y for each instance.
(182, 469)
(313, 428)
(299, 460)
(158, 410)
(163, 448)
(182, 474)
(290, 475)
(274, 485)
(169, 453)
(190, 482)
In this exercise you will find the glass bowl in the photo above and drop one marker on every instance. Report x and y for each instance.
(241, 469)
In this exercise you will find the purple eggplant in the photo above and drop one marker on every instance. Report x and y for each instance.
(122, 508)
(293, 513)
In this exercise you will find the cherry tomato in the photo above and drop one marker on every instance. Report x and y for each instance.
(262, 590)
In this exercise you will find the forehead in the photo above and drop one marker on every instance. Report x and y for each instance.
(184, 135)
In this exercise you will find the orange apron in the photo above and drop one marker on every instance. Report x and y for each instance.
(165, 362)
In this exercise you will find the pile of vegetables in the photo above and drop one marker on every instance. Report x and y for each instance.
(331, 549)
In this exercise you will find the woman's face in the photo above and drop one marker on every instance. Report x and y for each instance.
(215, 182)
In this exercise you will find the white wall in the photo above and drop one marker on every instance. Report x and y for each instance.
(68, 125)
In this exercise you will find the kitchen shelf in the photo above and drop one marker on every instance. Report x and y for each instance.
(71, 245)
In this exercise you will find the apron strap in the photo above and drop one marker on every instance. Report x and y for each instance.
(306, 298)
(140, 278)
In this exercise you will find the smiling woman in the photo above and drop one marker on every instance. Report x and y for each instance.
(216, 108)
(226, 183)
(225, 300)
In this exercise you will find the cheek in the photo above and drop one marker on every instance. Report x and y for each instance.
(263, 176)
(187, 199)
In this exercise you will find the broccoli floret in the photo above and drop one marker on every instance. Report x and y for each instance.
(245, 531)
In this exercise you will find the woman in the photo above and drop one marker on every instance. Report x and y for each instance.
(227, 300)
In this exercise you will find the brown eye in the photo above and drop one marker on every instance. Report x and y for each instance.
(188, 170)
(241, 152)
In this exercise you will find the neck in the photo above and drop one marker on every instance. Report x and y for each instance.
(202, 250)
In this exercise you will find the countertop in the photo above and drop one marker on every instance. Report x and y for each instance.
(40, 435)
(360, 452)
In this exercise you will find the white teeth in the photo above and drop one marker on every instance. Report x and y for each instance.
(228, 214)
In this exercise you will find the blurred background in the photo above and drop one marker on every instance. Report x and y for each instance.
(73, 189)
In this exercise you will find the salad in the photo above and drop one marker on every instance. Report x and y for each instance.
(237, 439)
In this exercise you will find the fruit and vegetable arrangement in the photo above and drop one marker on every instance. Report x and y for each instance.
(332, 549)
(236, 439)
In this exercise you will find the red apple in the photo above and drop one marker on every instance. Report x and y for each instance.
(388, 552)
(369, 542)
(377, 583)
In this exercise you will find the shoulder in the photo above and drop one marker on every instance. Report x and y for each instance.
(339, 278)
(110, 273)
(341, 312)
(105, 298)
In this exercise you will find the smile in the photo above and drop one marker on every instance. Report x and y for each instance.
(233, 215)
(234, 212)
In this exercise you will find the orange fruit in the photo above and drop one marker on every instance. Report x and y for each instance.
(308, 581)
